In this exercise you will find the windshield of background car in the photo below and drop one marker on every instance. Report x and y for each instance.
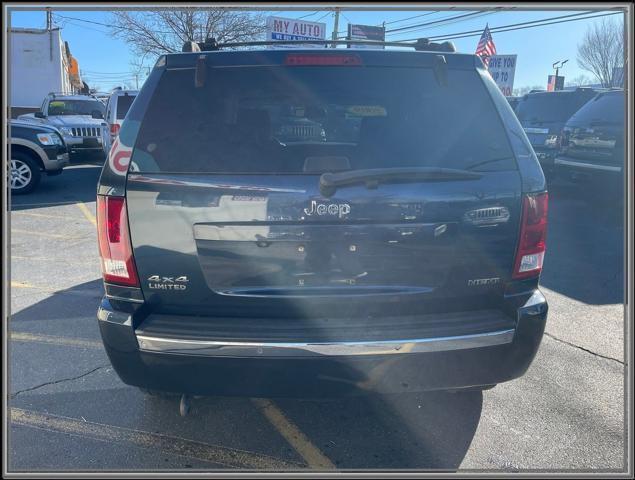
(549, 107)
(312, 119)
(123, 105)
(75, 107)
(606, 107)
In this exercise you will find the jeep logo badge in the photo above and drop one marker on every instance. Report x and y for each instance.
(339, 209)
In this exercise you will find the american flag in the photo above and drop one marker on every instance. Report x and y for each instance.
(486, 47)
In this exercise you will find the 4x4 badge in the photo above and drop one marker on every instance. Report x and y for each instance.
(157, 282)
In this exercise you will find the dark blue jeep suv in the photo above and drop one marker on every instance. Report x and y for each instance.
(390, 241)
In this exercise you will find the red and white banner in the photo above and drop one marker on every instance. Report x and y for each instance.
(119, 157)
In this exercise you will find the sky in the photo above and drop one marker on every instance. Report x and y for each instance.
(105, 62)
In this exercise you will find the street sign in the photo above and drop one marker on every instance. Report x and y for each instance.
(502, 69)
(279, 28)
(366, 32)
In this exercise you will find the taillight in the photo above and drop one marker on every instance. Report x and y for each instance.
(115, 249)
(304, 59)
(114, 129)
(533, 232)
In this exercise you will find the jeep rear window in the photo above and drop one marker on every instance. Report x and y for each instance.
(606, 107)
(314, 119)
(123, 105)
(75, 107)
(546, 107)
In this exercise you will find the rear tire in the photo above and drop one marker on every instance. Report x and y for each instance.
(24, 173)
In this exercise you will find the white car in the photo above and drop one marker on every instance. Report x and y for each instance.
(80, 119)
(117, 107)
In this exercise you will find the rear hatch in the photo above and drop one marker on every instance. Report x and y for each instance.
(595, 134)
(419, 205)
(122, 106)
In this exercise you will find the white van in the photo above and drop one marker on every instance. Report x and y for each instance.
(116, 109)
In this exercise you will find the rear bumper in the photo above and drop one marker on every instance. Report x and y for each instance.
(339, 368)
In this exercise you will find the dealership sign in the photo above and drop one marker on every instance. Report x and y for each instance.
(502, 69)
(366, 32)
(279, 28)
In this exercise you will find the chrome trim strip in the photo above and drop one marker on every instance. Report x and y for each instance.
(591, 166)
(124, 299)
(216, 348)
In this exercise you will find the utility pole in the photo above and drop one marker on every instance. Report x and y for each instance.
(336, 25)
(49, 28)
(136, 79)
(557, 66)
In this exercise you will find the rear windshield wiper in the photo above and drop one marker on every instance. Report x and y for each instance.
(486, 162)
(330, 182)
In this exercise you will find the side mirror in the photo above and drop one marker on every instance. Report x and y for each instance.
(97, 114)
(39, 115)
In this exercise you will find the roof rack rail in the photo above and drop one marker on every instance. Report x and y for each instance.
(422, 44)
(68, 93)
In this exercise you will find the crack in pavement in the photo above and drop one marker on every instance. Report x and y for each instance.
(70, 379)
(583, 349)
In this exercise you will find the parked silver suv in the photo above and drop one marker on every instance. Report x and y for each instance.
(80, 119)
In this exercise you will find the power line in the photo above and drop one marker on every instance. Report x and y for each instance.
(65, 22)
(410, 18)
(82, 20)
(108, 73)
(522, 23)
(517, 26)
(471, 14)
(398, 21)
(309, 15)
(105, 24)
(445, 24)
(125, 75)
(324, 16)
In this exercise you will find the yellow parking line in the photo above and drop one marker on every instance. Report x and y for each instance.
(82, 292)
(44, 215)
(22, 285)
(54, 259)
(87, 213)
(228, 457)
(51, 204)
(53, 340)
(292, 434)
(15, 284)
(42, 234)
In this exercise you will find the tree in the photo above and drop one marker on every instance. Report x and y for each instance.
(601, 51)
(578, 81)
(153, 33)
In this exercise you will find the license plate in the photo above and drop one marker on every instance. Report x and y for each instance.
(91, 142)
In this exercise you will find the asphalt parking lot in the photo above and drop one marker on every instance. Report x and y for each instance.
(69, 410)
